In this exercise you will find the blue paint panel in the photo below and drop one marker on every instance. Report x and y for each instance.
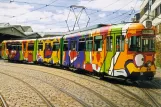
(78, 63)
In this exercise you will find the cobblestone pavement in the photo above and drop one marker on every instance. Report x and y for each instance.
(25, 85)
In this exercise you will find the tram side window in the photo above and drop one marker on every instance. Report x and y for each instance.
(98, 43)
(109, 43)
(30, 47)
(120, 43)
(135, 43)
(89, 42)
(0, 47)
(24, 46)
(9, 47)
(19, 47)
(56, 46)
(73, 45)
(48, 46)
(40, 46)
(65, 46)
(148, 45)
(82, 44)
(14, 47)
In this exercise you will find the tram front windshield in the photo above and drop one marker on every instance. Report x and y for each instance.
(142, 43)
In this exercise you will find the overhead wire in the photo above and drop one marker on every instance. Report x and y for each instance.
(35, 9)
(113, 12)
(38, 4)
(65, 7)
(104, 7)
(108, 15)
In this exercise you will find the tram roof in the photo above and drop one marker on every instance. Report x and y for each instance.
(86, 28)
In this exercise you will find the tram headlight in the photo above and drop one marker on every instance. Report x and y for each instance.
(139, 60)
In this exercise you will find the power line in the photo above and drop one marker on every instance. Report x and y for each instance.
(101, 18)
(104, 7)
(39, 4)
(35, 9)
(113, 12)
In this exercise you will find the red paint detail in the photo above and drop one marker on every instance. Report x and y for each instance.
(88, 67)
(48, 53)
(30, 57)
(73, 54)
(98, 57)
(92, 57)
(96, 66)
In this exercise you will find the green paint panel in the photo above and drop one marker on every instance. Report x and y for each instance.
(116, 30)
(21, 56)
(35, 50)
(61, 50)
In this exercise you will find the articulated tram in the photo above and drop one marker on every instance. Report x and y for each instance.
(124, 50)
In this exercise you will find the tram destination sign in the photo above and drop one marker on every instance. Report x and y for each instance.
(149, 32)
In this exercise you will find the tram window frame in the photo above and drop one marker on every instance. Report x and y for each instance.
(82, 43)
(109, 43)
(40, 46)
(65, 45)
(9, 45)
(30, 47)
(14, 47)
(19, 47)
(73, 45)
(120, 42)
(98, 42)
(56, 46)
(89, 41)
(0, 47)
(24, 46)
(48, 46)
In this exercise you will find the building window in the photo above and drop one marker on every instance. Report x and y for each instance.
(146, 7)
(158, 11)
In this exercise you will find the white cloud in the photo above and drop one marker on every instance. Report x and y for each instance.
(102, 15)
(44, 20)
(104, 5)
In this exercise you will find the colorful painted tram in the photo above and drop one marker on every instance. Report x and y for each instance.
(123, 50)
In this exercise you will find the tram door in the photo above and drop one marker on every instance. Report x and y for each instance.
(73, 52)
(98, 53)
(108, 65)
(24, 50)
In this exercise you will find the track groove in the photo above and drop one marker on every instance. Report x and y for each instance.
(40, 95)
(148, 94)
(2, 101)
(135, 98)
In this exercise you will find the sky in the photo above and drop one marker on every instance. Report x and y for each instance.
(56, 15)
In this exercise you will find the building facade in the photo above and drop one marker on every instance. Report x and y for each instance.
(151, 10)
